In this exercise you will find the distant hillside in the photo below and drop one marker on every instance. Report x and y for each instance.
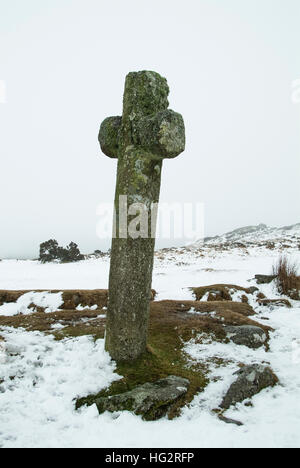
(261, 232)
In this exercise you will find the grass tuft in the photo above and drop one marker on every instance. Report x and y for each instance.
(286, 271)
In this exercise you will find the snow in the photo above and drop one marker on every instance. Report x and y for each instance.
(259, 234)
(80, 307)
(49, 301)
(37, 407)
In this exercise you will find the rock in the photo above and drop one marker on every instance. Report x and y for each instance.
(247, 335)
(275, 303)
(147, 133)
(151, 400)
(264, 279)
(229, 421)
(250, 381)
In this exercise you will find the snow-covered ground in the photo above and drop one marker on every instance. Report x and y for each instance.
(49, 301)
(36, 408)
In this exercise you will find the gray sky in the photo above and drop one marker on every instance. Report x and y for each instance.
(230, 65)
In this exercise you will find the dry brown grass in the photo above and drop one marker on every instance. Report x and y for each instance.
(287, 279)
(71, 297)
(279, 302)
(170, 326)
(219, 292)
(167, 313)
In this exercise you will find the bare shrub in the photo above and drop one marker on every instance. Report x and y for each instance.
(287, 279)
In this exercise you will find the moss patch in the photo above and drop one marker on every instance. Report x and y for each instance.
(156, 363)
(170, 327)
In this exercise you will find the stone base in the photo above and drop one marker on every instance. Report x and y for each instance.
(151, 400)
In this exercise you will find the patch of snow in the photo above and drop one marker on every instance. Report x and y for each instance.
(275, 415)
(40, 384)
(42, 376)
(193, 311)
(49, 301)
(80, 307)
(57, 326)
(204, 297)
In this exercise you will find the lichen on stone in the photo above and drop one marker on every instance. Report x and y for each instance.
(151, 400)
(146, 133)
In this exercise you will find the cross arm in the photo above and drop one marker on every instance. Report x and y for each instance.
(109, 136)
(162, 134)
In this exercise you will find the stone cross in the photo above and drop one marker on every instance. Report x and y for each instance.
(146, 133)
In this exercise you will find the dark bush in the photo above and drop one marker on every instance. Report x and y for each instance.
(50, 251)
(71, 254)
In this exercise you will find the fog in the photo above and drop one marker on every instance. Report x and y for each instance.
(232, 68)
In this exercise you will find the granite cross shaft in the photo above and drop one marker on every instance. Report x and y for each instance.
(146, 133)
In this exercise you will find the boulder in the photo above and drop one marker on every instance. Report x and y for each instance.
(229, 421)
(264, 279)
(151, 400)
(250, 381)
(247, 335)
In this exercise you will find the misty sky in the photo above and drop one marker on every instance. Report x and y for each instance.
(230, 65)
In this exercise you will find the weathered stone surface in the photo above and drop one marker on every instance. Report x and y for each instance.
(264, 279)
(229, 421)
(163, 134)
(109, 136)
(247, 335)
(272, 303)
(151, 400)
(250, 381)
(146, 133)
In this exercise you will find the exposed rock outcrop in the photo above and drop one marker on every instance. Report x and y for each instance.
(264, 279)
(250, 381)
(247, 335)
(151, 400)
